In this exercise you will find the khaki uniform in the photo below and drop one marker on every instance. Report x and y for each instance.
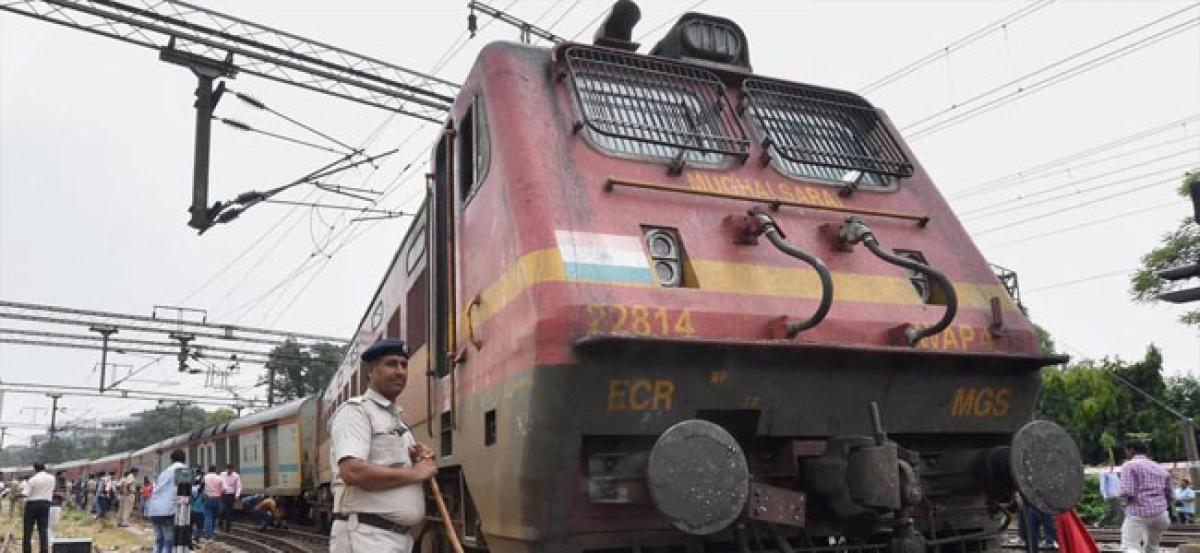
(127, 487)
(370, 428)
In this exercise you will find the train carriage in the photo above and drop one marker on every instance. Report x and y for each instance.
(273, 456)
(661, 301)
(115, 463)
(152, 459)
(72, 470)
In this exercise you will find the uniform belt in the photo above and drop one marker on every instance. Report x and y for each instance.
(374, 520)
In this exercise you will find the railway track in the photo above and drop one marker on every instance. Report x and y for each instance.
(246, 537)
(1174, 537)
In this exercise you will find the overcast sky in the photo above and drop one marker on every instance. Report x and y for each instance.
(96, 157)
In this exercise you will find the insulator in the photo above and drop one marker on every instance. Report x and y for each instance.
(472, 22)
(250, 100)
(236, 124)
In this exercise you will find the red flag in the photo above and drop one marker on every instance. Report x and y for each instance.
(1073, 536)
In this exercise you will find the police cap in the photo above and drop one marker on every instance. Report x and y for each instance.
(386, 346)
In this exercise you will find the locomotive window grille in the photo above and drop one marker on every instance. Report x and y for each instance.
(824, 135)
(635, 106)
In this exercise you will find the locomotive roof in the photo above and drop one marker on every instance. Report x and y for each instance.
(282, 411)
(111, 457)
(70, 464)
(153, 447)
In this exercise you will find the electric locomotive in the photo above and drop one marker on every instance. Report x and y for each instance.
(659, 302)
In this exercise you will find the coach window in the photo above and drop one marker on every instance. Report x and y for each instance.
(474, 150)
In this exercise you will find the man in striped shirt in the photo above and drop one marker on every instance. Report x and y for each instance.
(1146, 489)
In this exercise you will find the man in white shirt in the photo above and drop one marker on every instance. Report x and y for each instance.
(37, 509)
(1185, 502)
(1110, 490)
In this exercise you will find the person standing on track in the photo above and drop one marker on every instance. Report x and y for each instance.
(161, 507)
(1146, 489)
(231, 484)
(378, 465)
(1110, 490)
(212, 500)
(127, 489)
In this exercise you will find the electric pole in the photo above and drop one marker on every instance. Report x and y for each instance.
(105, 331)
(270, 386)
(1186, 295)
(53, 413)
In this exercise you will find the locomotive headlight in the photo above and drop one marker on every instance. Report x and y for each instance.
(665, 256)
(617, 478)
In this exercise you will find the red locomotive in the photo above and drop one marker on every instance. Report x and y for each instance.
(662, 303)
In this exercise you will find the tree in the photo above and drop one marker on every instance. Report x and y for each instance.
(153, 425)
(1178, 247)
(1089, 401)
(300, 372)
(219, 416)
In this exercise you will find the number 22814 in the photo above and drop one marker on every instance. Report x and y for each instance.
(639, 319)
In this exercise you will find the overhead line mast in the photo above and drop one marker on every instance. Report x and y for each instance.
(214, 45)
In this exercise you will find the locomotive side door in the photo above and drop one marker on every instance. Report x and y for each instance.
(460, 165)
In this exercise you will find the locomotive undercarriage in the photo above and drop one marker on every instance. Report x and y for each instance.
(713, 448)
(925, 475)
(848, 493)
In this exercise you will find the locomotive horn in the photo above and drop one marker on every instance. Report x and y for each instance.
(617, 29)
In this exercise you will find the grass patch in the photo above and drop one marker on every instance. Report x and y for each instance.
(105, 534)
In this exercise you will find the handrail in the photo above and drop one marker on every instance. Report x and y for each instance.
(855, 231)
(920, 220)
(771, 230)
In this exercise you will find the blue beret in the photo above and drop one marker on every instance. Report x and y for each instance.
(386, 346)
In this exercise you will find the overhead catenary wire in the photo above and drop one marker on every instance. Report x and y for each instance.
(245, 127)
(1063, 230)
(442, 62)
(1064, 190)
(668, 21)
(930, 124)
(961, 42)
(1042, 216)
(1073, 282)
(1048, 167)
(258, 104)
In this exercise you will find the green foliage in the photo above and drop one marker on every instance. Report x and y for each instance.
(1045, 340)
(219, 416)
(1091, 505)
(302, 372)
(1178, 247)
(157, 424)
(1097, 410)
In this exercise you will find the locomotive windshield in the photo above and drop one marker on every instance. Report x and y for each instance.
(649, 108)
(823, 134)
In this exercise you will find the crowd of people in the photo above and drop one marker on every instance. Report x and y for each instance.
(212, 500)
(43, 497)
(105, 496)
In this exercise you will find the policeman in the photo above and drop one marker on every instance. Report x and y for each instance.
(378, 465)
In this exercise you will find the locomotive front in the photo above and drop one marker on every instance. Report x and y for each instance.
(782, 336)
